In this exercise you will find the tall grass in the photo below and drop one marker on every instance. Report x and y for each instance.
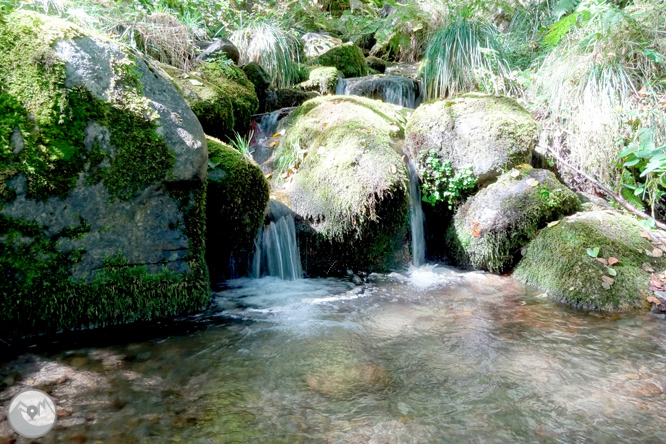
(275, 49)
(462, 56)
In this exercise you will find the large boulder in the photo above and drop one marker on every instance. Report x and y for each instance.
(349, 189)
(102, 184)
(489, 230)
(235, 205)
(261, 80)
(220, 47)
(490, 134)
(323, 80)
(348, 58)
(558, 262)
(221, 96)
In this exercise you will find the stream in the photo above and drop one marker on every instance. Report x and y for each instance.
(426, 355)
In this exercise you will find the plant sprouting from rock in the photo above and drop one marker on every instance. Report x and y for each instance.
(441, 183)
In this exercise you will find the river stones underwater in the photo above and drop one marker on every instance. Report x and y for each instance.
(558, 262)
(489, 230)
(349, 187)
(490, 134)
(102, 170)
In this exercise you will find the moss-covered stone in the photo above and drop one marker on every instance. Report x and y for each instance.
(557, 262)
(489, 230)
(347, 58)
(322, 80)
(221, 96)
(491, 134)
(102, 169)
(261, 80)
(349, 192)
(237, 197)
(376, 63)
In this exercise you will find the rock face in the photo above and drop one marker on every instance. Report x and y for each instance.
(397, 90)
(102, 169)
(235, 205)
(221, 96)
(321, 80)
(220, 46)
(489, 230)
(488, 133)
(557, 262)
(349, 192)
(347, 58)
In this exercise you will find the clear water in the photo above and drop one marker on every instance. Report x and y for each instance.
(416, 216)
(428, 356)
(397, 90)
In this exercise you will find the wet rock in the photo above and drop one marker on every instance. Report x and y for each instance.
(489, 230)
(488, 134)
(341, 380)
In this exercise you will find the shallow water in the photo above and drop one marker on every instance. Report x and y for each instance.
(424, 356)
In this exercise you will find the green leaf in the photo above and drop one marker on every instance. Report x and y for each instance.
(593, 252)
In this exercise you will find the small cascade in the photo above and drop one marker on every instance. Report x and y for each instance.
(397, 90)
(267, 125)
(417, 217)
(276, 250)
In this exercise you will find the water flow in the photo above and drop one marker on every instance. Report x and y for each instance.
(268, 125)
(417, 218)
(276, 250)
(397, 90)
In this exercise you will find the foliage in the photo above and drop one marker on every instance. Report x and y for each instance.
(242, 144)
(440, 184)
(462, 56)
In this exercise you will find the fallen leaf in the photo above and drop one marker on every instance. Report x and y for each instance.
(273, 144)
(607, 282)
(476, 229)
(645, 234)
(657, 252)
(654, 300)
(515, 173)
(553, 223)
(532, 182)
(276, 135)
(393, 169)
(613, 261)
(611, 271)
(601, 260)
(593, 252)
(656, 282)
(195, 82)
(524, 166)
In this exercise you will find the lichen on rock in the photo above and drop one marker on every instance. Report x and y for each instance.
(489, 230)
(557, 261)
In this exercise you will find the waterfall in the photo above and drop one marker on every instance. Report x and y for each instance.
(267, 125)
(397, 90)
(416, 216)
(276, 250)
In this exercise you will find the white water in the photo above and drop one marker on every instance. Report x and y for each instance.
(268, 125)
(276, 250)
(416, 216)
(397, 90)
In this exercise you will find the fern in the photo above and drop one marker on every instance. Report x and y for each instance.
(560, 29)
(564, 7)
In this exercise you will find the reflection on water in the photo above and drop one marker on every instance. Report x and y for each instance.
(429, 356)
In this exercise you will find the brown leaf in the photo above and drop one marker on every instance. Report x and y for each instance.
(601, 260)
(476, 229)
(645, 234)
(553, 223)
(654, 300)
(647, 268)
(393, 169)
(607, 282)
(655, 281)
(613, 261)
(657, 252)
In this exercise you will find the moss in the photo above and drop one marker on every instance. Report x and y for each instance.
(321, 80)
(557, 262)
(491, 227)
(237, 197)
(350, 189)
(52, 120)
(376, 64)
(347, 58)
(221, 96)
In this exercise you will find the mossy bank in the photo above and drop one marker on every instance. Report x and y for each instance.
(102, 184)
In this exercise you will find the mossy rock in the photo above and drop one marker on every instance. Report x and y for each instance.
(323, 80)
(261, 80)
(490, 134)
(489, 230)
(347, 58)
(102, 184)
(349, 192)
(221, 96)
(557, 262)
(237, 197)
(376, 63)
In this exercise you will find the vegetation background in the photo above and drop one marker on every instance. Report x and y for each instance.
(591, 71)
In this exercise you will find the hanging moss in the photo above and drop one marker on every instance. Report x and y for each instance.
(347, 58)
(237, 197)
(557, 262)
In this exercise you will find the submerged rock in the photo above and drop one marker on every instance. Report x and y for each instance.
(346, 183)
(397, 90)
(347, 58)
(557, 261)
(235, 205)
(490, 134)
(101, 210)
(221, 96)
(321, 80)
(345, 379)
(490, 228)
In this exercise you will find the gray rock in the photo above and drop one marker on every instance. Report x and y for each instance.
(16, 141)
(221, 46)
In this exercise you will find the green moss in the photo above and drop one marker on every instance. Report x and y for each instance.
(557, 262)
(221, 96)
(347, 58)
(52, 119)
(321, 80)
(237, 197)
(350, 188)
(491, 227)
(376, 64)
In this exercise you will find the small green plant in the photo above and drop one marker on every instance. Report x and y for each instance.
(243, 144)
(441, 184)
